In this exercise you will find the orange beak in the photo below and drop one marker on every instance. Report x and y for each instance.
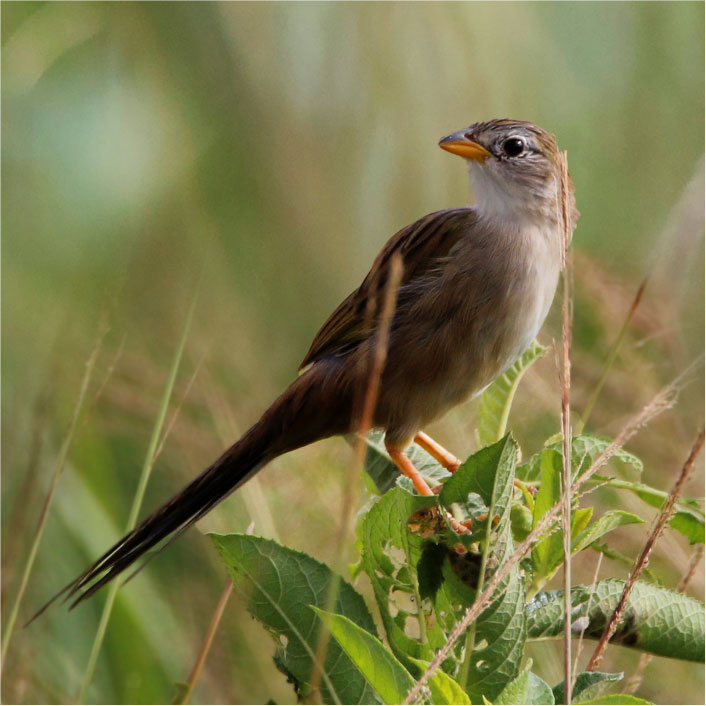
(460, 144)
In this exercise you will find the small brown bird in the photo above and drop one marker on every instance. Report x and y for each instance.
(477, 284)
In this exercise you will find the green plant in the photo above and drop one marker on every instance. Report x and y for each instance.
(424, 576)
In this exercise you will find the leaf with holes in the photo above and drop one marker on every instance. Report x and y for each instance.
(656, 620)
(279, 586)
(495, 402)
(417, 615)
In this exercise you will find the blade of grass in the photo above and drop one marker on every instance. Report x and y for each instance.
(642, 560)
(60, 464)
(147, 466)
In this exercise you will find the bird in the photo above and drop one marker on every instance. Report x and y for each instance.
(477, 283)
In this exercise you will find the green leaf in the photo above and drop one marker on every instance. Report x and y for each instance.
(548, 553)
(606, 523)
(374, 661)
(490, 474)
(689, 516)
(279, 586)
(527, 688)
(444, 689)
(391, 554)
(548, 548)
(587, 685)
(615, 700)
(656, 620)
(690, 525)
(495, 402)
(384, 473)
(584, 450)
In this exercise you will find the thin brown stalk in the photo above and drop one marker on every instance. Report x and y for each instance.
(662, 519)
(177, 409)
(206, 644)
(58, 469)
(106, 378)
(662, 401)
(636, 679)
(566, 328)
(365, 422)
(586, 619)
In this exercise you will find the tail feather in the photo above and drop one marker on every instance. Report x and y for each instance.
(294, 420)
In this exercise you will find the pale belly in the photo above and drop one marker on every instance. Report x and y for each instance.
(435, 362)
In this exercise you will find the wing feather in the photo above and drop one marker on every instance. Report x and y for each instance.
(421, 244)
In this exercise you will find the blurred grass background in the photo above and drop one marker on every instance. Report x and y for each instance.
(277, 146)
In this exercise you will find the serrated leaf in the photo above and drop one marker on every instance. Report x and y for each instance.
(384, 473)
(279, 586)
(656, 620)
(378, 666)
(490, 474)
(444, 689)
(587, 685)
(496, 401)
(584, 450)
(615, 700)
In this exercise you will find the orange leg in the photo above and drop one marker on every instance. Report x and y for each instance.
(407, 467)
(437, 451)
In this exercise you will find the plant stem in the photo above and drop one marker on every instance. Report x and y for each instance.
(60, 464)
(642, 560)
(369, 398)
(206, 645)
(147, 466)
(566, 329)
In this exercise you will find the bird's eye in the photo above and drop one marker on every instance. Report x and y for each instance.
(513, 146)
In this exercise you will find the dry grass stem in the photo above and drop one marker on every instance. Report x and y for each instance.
(145, 473)
(586, 619)
(566, 330)
(367, 410)
(662, 401)
(662, 519)
(636, 679)
(177, 409)
(106, 379)
(612, 355)
(206, 644)
(58, 469)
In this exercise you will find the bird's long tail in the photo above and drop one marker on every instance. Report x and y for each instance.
(295, 419)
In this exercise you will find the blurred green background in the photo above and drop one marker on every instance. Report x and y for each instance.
(276, 146)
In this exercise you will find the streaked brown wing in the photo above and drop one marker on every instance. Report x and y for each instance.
(421, 244)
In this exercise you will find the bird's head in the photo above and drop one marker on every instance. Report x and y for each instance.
(514, 168)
